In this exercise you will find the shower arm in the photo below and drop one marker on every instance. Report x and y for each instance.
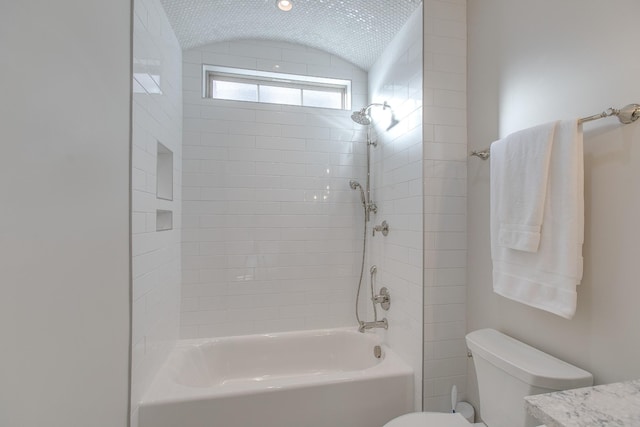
(384, 106)
(365, 111)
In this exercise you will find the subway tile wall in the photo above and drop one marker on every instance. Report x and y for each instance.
(157, 118)
(396, 78)
(445, 190)
(271, 231)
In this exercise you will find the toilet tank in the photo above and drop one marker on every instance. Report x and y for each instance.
(508, 370)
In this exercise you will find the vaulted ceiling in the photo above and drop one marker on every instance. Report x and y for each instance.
(355, 30)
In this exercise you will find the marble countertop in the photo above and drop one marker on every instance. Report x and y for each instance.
(616, 404)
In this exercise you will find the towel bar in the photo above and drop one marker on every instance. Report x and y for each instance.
(627, 114)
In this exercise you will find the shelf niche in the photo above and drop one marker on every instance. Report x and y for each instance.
(164, 173)
(164, 220)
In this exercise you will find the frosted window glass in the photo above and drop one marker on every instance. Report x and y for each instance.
(319, 98)
(235, 91)
(275, 88)
(280, 95)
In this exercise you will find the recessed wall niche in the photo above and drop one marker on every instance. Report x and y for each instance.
(164, 220)
(164, 173)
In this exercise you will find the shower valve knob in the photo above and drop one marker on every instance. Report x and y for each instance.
(383, 228)
(383, 298)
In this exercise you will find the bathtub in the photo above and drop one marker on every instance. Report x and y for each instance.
(322, 378)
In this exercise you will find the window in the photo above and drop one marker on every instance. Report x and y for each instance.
(276, 88)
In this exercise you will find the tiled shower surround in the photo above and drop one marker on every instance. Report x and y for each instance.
(157, 118)
(396, 77)
(445, 202)
(271, 229)
(272, 233)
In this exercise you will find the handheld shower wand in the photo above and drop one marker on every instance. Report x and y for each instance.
(356, 185)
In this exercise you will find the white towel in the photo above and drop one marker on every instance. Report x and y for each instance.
(546, 279)
(522, 167)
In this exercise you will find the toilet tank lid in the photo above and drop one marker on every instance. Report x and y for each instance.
(529, 364)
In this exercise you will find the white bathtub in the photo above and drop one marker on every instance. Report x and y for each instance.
(323, 378)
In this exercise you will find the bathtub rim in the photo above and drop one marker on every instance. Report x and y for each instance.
(165, 390)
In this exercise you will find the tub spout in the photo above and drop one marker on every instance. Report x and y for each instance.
(370, 325)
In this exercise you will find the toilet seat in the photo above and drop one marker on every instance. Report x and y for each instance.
(429, 419)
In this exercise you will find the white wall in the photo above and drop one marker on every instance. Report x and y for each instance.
(64, 215)
(530, 63)
(445, 192)
(396, 77)
(271, 230)
(157, 117)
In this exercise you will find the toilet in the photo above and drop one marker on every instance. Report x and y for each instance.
(507, 370)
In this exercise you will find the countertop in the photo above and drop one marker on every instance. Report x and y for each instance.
(616, 404)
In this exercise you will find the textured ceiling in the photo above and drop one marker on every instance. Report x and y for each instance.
(355, 30)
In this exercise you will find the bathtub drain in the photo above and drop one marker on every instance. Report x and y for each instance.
(377, 352)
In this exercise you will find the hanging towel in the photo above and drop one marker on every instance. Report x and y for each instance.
(546, 279)
(523, 165)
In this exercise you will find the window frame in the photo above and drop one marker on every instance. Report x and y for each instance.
(211, 73)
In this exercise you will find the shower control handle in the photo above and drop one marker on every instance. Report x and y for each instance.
(383, 298)
(383, 228)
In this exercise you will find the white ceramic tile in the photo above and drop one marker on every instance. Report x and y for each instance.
(280, 66)
(156, 257)
(229, 60)
(396, 164)
(444, 330)
(445, 295)
(445, 45)
(440, 368)
(307, 57)
(447, 11)
(262, 220)
(254, 50)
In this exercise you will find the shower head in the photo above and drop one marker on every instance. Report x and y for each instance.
(354, 185)
(361, 117)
